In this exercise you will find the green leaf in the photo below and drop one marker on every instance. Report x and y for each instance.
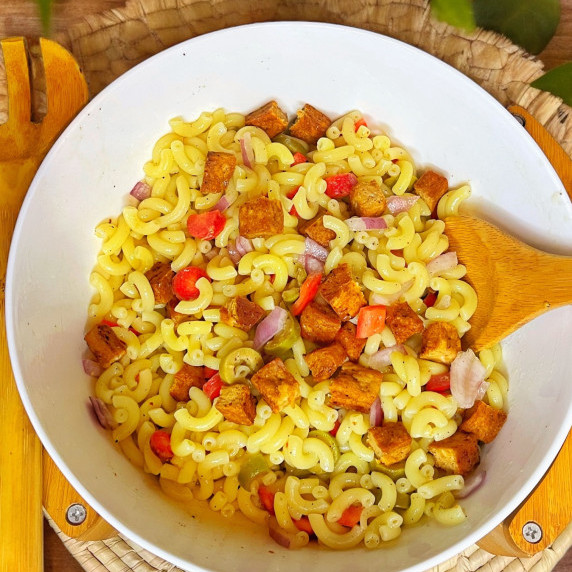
(458, 13)
(45, 7)
(528, 23)
(557, 81)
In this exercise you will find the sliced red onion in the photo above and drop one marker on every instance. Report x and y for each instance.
(312, 265)
(91, 367)
(399, 204)
(356, 223)
(233, 253)
(467, 379)
(442, 263)
(376, 413)
(316, 250)
(388, 300)
(382, 358)
(141, 191)
(279, 535)
(243, 245)
(472, 484)
(246, 150)
(270, 326)
(222, 204)
(102, 413)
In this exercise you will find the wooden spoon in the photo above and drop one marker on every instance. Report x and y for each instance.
(514, 282)
(23, 145)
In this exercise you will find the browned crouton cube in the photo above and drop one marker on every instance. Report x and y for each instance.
(160, 276)
(457, 454)
(270, 118)
(403, 321)
(237, 404)
(355, 387)
(440, 342)
(177, 317)
(342, 292)
(367, 199)
(350, 342)
(315, 229)
(241, 313)
(188, 376)
(261, 217)
(391, 442)
(324, 362)
(319, 323)
(276, 384)
(219, 168)
(431, 187)
(483, 421)
(310, 124)
(106, 347)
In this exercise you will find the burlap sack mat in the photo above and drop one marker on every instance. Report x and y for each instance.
(108, 44)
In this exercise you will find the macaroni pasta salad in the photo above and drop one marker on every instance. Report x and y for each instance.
(277, 327)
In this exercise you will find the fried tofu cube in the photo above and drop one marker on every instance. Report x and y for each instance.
(237, 404)
(241, 313)
(440, 342)
(270, 118)
(319, 323)
(350, 342)
(342, 292)
(431, 187)
(219, 168)
(106, 347)
(310, 124)
(315, 229)
(483, 421)
(276, 384)
(403, 321)
(458, 454)
(177, 317)
(355, 387)
(188, 376)
(261, 217)
(391, 442)
(160, 277)
(367, 199)
(324, 362)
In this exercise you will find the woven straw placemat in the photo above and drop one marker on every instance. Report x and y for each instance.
(108, 44)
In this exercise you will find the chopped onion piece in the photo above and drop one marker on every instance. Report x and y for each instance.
(398, 204)
(442, 263)
(270, 326)
(102, 413)
(382, 358)
(246, 150)
(316, 250)
(233, 253)
(376, 413)
(223, 204)
(312, 265)
(388, 300)
(472, 484)
(91, 367)
(356, 223)
(141, 191)
(467, 379)
(243, 245)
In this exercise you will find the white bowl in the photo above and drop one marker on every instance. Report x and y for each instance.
(444, 118)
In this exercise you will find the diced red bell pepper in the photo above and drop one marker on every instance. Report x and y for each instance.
(208, 372)
(371, 320)
(430, 299)
(184, 282)
(299, 158)
(206, 225)
(303, 524)
(115, 325)
(359, 123)
(439, 382)
(308, 292)
(291, 194)
(339, 186)
(334, 430)
(213, 386)
(160, 443)
(350, 517)
(266, 498)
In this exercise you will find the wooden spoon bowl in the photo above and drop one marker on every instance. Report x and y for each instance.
(514, 282)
